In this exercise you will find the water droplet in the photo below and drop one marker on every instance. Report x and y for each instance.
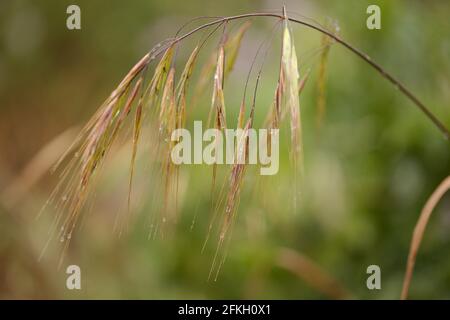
(64, 198)
(61, 239)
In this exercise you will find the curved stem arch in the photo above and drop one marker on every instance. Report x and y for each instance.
(397, 83)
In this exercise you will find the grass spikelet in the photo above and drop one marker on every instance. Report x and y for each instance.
(277, 112)
(126, 110)
(301, 85)
(168, 123)
(92, 154)
(205, 75)
(92, 145)
(153, 90)
(166, 101)
(136, 134)
(182, 87)
(218, 104)
(303, 81)
(274, 115)
(117, 93)
(321, 80)
(290, 76)
(241, 115)
(232, 46)
(236, 179)
(173, 116)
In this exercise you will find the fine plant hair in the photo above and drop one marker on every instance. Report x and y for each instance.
(160, 102)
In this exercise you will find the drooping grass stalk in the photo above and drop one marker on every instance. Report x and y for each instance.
(397, 83)
(97, 137)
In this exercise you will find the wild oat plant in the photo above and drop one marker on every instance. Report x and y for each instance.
(153, 98)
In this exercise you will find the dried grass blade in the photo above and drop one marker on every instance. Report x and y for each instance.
(419, 231)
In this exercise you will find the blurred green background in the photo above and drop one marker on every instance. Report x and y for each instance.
(368, 170)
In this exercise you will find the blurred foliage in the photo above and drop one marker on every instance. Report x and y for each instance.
(369, 170)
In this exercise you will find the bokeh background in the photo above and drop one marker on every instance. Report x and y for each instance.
(368, 170)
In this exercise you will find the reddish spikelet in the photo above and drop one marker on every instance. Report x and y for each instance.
(236, 179)
(231, 47)
(92, 145)
(182, 88)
